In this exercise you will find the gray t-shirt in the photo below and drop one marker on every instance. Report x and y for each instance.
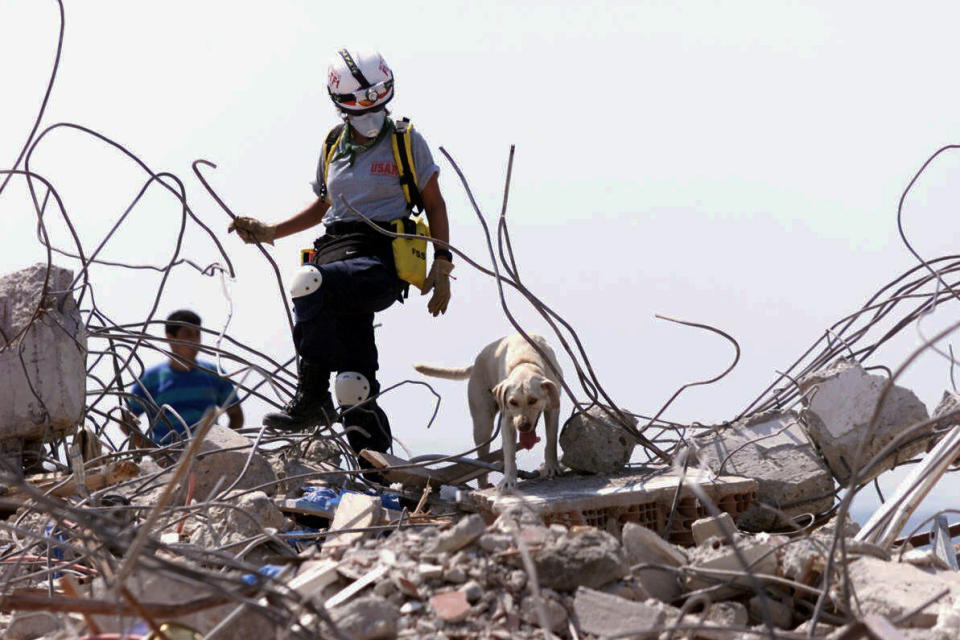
(372, 184)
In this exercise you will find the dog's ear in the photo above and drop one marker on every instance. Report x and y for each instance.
(500, 393)
(552, 391)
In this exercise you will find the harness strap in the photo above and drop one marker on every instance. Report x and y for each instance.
(403, 155)
(329, 148)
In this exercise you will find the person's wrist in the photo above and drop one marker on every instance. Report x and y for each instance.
(443, 254)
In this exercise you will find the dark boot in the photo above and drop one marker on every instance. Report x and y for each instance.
(311, 404)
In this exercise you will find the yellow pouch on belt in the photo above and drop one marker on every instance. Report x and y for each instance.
(409, 254)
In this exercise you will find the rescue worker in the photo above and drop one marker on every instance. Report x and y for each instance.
(352, 275)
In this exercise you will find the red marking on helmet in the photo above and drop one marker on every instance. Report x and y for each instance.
(384, 68)
(334, 79)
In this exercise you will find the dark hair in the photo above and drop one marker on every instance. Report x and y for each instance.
(173, 325)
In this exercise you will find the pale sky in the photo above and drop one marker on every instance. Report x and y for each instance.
(736, 164)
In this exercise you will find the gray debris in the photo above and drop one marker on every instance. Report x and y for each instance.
(367, 618)
(773, 449)
(44, 367)
(588, 558)
(593, 443)
(644, 546)
(223, 456)
(606, 615)
(460, 535)
(838, 414)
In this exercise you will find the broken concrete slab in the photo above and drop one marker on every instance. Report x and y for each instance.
(367, 618)
(223, 456)
(719, 527)
(602, 614)
(593, 443)
(589, 558)
(838, 415)
(892, 589)
(643, 546)
(555, 613)
(460, 535)
(229, 527)
(171, 589)
(759, 553)
(781, 616)
(43, 351)
(643, 495)
(949, 403)
(773, 449)
(355, 511)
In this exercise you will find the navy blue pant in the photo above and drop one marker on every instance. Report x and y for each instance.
(333, 330)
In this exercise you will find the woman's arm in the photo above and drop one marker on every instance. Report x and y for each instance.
(309, 217)
(436, 210)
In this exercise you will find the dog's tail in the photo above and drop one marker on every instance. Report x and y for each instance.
(450, 373)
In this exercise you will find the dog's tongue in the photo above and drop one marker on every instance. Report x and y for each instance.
(528, 438)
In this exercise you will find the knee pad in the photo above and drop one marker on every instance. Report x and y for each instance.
(351, 388)
(306, 281)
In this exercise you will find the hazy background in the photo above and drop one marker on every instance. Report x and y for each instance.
(737, 164)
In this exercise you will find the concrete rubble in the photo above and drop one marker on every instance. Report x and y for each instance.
(743, 538)
(592, 443)
(773, 449)
(43, 351)
(840, 403)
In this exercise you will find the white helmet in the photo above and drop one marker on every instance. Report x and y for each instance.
(359, 82)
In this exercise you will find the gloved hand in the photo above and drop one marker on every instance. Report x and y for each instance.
(252, 230)
(439, 280)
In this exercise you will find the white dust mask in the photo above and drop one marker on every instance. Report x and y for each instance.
(368, 124)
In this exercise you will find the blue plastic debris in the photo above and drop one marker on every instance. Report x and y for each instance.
(270, 570)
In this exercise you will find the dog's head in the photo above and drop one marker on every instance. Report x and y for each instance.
(523, 399)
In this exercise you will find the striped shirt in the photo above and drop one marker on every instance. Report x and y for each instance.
(189, 393)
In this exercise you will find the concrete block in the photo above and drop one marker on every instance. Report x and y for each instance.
(759, 555)
(368, 618)
(602, 614)
(593, 443)
(707, 528)
(891, 589)
(459, 535)
(230, 526)
(781, 616)
(43, 368)
(774, 450)
(223, 454)
(555, 612)
(838, 414)
(949, 403)
(644, 546)
(355, 511)
(589, 558)
(156, 587)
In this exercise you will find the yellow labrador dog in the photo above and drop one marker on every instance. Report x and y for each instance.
(509, 376)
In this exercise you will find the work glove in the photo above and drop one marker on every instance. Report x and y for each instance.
(252, 230)
(439, 280)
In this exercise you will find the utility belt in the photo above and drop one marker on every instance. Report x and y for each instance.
(351, 239)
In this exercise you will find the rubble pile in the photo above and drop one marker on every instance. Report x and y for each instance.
(254, 535)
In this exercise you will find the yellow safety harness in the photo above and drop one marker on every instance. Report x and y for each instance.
(409, 254)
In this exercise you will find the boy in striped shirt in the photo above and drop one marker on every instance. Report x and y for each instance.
(187, 385)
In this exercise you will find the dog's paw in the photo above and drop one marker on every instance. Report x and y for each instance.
(507, 485)
(550, 470)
